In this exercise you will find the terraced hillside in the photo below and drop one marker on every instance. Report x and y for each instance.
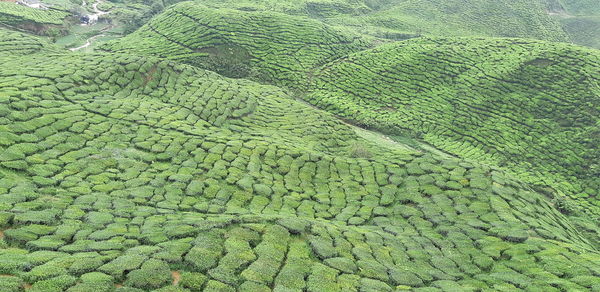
(527, 106)
(19, 16)
(128, 172)
(552, 20)
(490, 100)
(506, 18)
(12, 42)
(402, 18)
(579, 18)
(273, 47)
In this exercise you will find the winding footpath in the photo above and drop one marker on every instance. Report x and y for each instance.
(96, 15)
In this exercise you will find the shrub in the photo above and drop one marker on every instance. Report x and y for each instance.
(19, 236)
(294, 225)
(5, 219)
(94, 282)
(370, 285)
(44, 272)
(121, 264)
(322, 247)
(153, 274)
(56, 284)
(372, 269)
(249, 286)
(407, 278)
(206, 253)
(216, 286)
(193, 280)
(42, 217)
(343, 264)
(11, 284)
(322, 278)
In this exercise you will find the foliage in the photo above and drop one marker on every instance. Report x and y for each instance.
(13, 14)
(128, 171)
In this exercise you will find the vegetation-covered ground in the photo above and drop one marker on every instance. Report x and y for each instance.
(272, 47)
(134, 168)
(529, 107)
(46, 22)
(393, 18)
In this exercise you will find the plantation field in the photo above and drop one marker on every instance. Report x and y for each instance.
(529, 107)
(126, 170)
(289, 146)
(390, 18)
(13, 14)
(258, 45)
(12, 42)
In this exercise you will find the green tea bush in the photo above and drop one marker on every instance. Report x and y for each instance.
(11, 284)
(153, 274)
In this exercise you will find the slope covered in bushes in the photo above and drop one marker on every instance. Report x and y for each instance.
(505, 18)
(126, 171)
(401, 18)
(449, 92)
(260, 45)
(15, 15)
(528, 106)
(12, 42)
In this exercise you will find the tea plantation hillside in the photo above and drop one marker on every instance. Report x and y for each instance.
(466, 84)
(128, 173)
(15, 15)
(12, 42)
(402, 18)
(580, 20)
(527, 106)
(505, 18)
(261, 45)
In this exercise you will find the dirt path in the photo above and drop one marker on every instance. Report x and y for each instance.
(97, 11)
(96, 15)
(88, 42)
(176, 277)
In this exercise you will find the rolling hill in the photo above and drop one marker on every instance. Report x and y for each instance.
(528, 106)
(123, 169)
(274, 47)
(263, 145)
(401, 18)
(485, 99)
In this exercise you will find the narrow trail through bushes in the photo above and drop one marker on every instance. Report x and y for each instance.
(97, 14)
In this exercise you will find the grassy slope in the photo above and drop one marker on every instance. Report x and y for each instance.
(583, 30)
(528, 106)
(552, 20)
(579, 18)
(507, 18)
(389, 18)
(272, 47)
(122, 169)
(14, 15)
(12, 42)
(368, 92)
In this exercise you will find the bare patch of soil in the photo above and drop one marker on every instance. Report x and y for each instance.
(176, 277)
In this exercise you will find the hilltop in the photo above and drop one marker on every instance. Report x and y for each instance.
(267, 46)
